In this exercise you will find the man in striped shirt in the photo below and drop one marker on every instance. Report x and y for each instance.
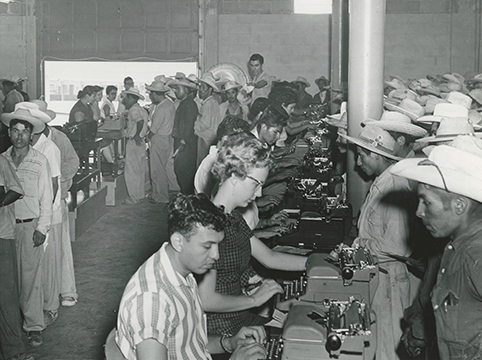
(160, 314)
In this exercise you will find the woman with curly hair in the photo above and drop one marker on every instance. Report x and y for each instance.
(241, 167)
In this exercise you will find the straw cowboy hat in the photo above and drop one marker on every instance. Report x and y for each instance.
(337, 120)
(208, 79)
(456, 97)
(407, 107)
(134, 92)
(323, 82)
(445, 110)
(29, 112)
(396, 83)
(301, 79)
(158, 86)
(182, 80)
(449, 129)
(231, 85)
(162, 78)
(395, 121)
(376, 140)
(43, 106)
(402, 94)
(432, 101)
(15, 79)
(456, 168)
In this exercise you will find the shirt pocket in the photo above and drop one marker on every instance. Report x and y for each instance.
(446, 308)
(29, 183)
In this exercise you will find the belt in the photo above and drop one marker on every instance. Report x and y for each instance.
(19, 221)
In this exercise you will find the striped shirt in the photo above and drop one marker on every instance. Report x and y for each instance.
(158, 303)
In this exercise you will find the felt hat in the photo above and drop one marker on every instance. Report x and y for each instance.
(323, 82)
(158, 86)
(181, 80)
(193, 78)
(15, 79)
(162, 78)
(430, 89)
(395, 121)
(445, 110)
(476, 79)
(376, 140)
(402, 94)
(301, 79)
(395, 83)
(456, 97)
(456, 168)
(432, 101)
(476, 94)
(231, 85)
(30, 112)
(43, 106)
(407, 107)
(475, 118)
(449, 129)
(208, 79)
(133, 91)
(450, 86)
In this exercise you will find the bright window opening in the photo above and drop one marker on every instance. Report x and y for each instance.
(64, 79)
(313, 6)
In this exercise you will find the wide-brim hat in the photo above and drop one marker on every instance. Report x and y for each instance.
(476, 79)
(29, 112)
(445, 110)
(456, 97)
(431, 102)
(15, 79)
(301, 79)
(407, 107)
(324, 81)
(43, 106)
(395, 83)
(449, 129)
(476, 94)
(431, 90)
(395, 121)
(158, 86)
(163, 78)
(208, 79)
(231, 85)
(134, 92)
(183, 82)
(376, 140)
(447, 167)
(337, 120)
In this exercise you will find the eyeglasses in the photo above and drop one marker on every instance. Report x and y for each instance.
(258, 183)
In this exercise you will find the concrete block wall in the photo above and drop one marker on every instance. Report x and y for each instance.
(292, 45)
(12, 43)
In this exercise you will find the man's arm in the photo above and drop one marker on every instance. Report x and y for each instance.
(45, 200)
(151, 349)
(245, 336)
(9, 197)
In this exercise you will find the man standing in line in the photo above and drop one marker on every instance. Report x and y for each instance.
(11, 344)
(450, 206)
(135, 168)
(209, 117)
(33, 213)
(161, 143)
(258, 78)
(185, 141)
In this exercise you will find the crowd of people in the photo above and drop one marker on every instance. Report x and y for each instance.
(221, 160)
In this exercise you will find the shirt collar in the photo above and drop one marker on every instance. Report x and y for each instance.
(467, 234)
(174, 277)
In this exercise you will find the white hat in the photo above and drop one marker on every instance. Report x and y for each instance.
(231, 85)
(445, 110)
(29, 112)
(395, 121)
(456, 168)
(407, 107)
(208, 79)
(302, 80)
(158, 86)
(449, 129)
(43, 106)
(376, 140)
(456, 97)
(133, 91)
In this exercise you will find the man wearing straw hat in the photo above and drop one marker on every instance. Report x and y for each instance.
(69, 164)
(185, 141)
(161, 143)
(136, 167)
(209, 117)
(450, 206)
(232, 106)
(33, 212)
(384, 227)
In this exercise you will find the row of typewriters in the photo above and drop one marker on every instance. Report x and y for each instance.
(329, 307)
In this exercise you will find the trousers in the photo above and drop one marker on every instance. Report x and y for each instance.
(66, 270)
(162, 168)
(135, 169)
(51, 268)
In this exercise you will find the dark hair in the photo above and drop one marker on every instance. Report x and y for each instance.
(283, 93)
(187, 212)
(257, 106)
(110, 88)
(257, 57)
(127, 79)
(238, 154)
(273, 116)
(231, 125)
(97, 88)
(87, 90)
(27, 124)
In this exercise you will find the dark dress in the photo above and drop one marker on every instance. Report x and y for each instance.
(80, 107)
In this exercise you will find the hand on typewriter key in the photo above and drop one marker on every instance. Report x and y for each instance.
(249, 352)
(266, 291)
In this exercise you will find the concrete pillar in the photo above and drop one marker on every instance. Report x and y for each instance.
(339, 45)
(31, 61)
(365, 80)
(208, 34)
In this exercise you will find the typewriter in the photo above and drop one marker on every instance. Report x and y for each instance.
(347, 272)
(339, 329)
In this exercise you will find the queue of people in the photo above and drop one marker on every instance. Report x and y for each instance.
(223, 166)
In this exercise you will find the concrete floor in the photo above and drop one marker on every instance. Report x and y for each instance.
(105, 258)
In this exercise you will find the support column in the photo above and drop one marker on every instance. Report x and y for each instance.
(31, 68)
(339, 45)
(208, 34)
(365, 80)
